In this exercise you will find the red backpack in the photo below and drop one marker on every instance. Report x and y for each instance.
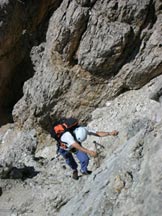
(62, 126)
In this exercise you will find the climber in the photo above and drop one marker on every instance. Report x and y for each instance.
(70, 142)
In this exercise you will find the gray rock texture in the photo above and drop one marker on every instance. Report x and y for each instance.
(21, 26)
(126, 178)
(99, 61)
(93, 52)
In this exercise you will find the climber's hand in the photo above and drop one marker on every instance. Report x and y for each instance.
(92, 153)
(114, 133)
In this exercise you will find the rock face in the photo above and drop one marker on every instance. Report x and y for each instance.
(101, 62)
(21, 27)
(93, 52)
(126, 182)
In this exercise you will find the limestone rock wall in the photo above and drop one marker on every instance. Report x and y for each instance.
(101, 60)
(21, 26)
(93, 51)
(126, 178)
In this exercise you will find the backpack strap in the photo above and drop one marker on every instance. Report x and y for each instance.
(62, 126)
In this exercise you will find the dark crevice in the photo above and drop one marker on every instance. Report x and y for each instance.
(24, 70)
(1, 191)
(157, 96)
(129, 173)
(21, 73)
(160, 8)
(149, 22)
(87, 3)
(74, 59)
(135, 46)
(122, 90)
(151, 16)
(115, 7)
(132, 49)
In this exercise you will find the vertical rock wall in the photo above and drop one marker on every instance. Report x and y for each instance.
(22, 25)
(94, 50)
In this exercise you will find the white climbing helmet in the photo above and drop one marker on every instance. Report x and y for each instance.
(81, 134)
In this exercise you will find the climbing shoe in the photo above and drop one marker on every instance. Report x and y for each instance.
(75, 175)
(88, 172)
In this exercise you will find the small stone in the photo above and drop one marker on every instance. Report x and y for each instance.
(118, 184)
